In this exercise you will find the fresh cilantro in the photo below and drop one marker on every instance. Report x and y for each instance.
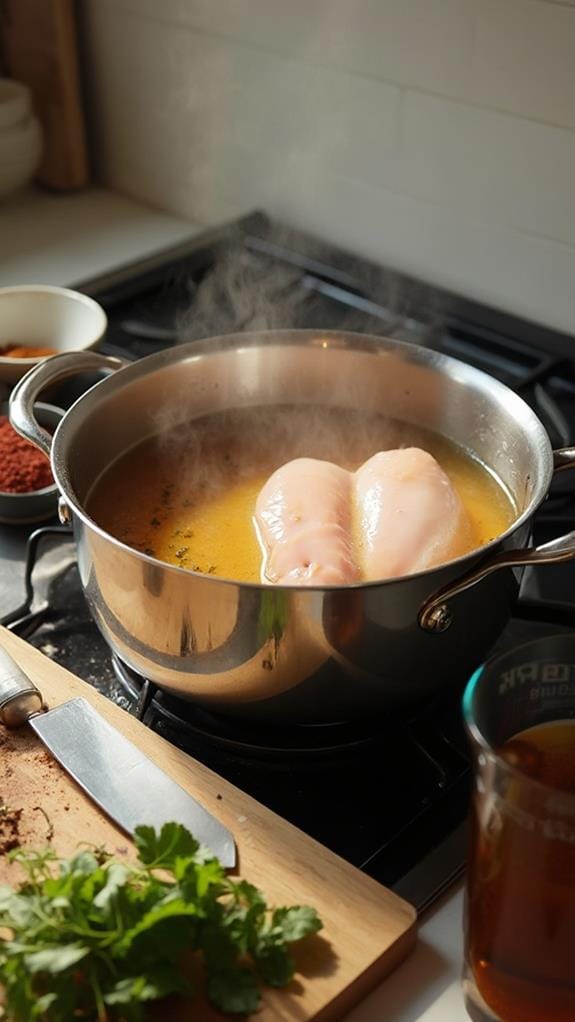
(234, 989)
(96, 940)
(295, 922)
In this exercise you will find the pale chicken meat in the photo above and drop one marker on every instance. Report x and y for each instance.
(319, 524)
(303, 516)
(409, 516)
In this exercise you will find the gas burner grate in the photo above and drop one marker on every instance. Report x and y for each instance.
(545, 381)
(375, 795)
(244, 737)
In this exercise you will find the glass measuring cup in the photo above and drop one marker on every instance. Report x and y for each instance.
(519, 712)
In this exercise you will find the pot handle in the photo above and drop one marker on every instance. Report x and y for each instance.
(58, 367)
(435, 614)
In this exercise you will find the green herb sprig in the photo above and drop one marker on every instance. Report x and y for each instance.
(94, 938)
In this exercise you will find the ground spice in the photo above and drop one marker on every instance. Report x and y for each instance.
(9, 829)
(25, 351)
(22, 466)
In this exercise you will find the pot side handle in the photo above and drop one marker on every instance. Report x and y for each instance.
(58, 367)
(436, 616)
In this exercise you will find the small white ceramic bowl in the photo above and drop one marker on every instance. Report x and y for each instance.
(46, 316)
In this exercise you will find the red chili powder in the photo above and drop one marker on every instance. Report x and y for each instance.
(22, 466)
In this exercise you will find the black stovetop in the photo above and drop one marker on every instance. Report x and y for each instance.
(389, 796)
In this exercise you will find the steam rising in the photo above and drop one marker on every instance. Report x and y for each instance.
(251, 287)
(249, 290)
(242, 293)
(229, 447)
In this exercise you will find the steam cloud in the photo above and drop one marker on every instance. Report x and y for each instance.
(247, 291)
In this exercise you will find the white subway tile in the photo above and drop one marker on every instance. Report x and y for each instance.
(448, 156)
(506, 168)
(508, 269)
(542, 180)
(184, 118)
(524, 59)
(424, 43)
(353, 126)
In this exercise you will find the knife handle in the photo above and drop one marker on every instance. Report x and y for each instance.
(19, 698)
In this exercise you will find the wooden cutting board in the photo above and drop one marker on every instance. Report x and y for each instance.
(367, 929)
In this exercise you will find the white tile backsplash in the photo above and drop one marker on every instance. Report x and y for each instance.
(423, 43)
(451, 155)
(436, 135)
(508, 169)
(230, 118)
(524, 59)
(427, 43)
(512, 270)
(542, 188)
(343, 107)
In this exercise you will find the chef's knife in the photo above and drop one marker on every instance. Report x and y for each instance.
(124, 782)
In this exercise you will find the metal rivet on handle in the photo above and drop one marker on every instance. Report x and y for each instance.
(436, 619)
(64, 513)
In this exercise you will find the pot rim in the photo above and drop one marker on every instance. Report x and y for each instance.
(455, 369)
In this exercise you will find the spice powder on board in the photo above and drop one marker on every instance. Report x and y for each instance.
(23, 468)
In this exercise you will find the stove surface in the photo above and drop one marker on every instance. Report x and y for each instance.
(390, 797)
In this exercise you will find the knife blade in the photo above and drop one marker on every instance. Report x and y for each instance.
(117, 776)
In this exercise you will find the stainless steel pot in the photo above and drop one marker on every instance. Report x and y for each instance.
(288, 653)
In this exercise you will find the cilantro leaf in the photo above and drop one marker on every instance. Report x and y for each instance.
(115, 878)
(159, 851)
(275, 965)
(84, 864)
(234, 990)
(168, 911)
(296, 922)
(160, 982)
(18, 907)
(54, 959)
(43, 1003)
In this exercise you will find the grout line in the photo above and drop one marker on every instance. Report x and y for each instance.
(499, 111)
(400, 139)
(530, 232)
(474, 32)
(469, 215)
(344, 69)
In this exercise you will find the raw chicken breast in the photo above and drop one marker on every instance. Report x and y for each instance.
(303, 515)
(409, 516)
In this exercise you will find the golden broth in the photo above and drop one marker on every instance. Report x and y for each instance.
(188, 497)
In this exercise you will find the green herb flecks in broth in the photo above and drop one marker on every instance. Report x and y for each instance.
(187, 497)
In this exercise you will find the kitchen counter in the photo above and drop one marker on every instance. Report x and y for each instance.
(426, 987)
(64, 240)
(52, 239)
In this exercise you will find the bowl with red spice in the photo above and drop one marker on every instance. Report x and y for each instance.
(40, 320)
(28, 492)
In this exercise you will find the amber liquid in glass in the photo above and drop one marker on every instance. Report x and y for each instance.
(521, 887)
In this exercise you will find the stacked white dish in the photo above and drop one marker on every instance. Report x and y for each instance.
(20, 137)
